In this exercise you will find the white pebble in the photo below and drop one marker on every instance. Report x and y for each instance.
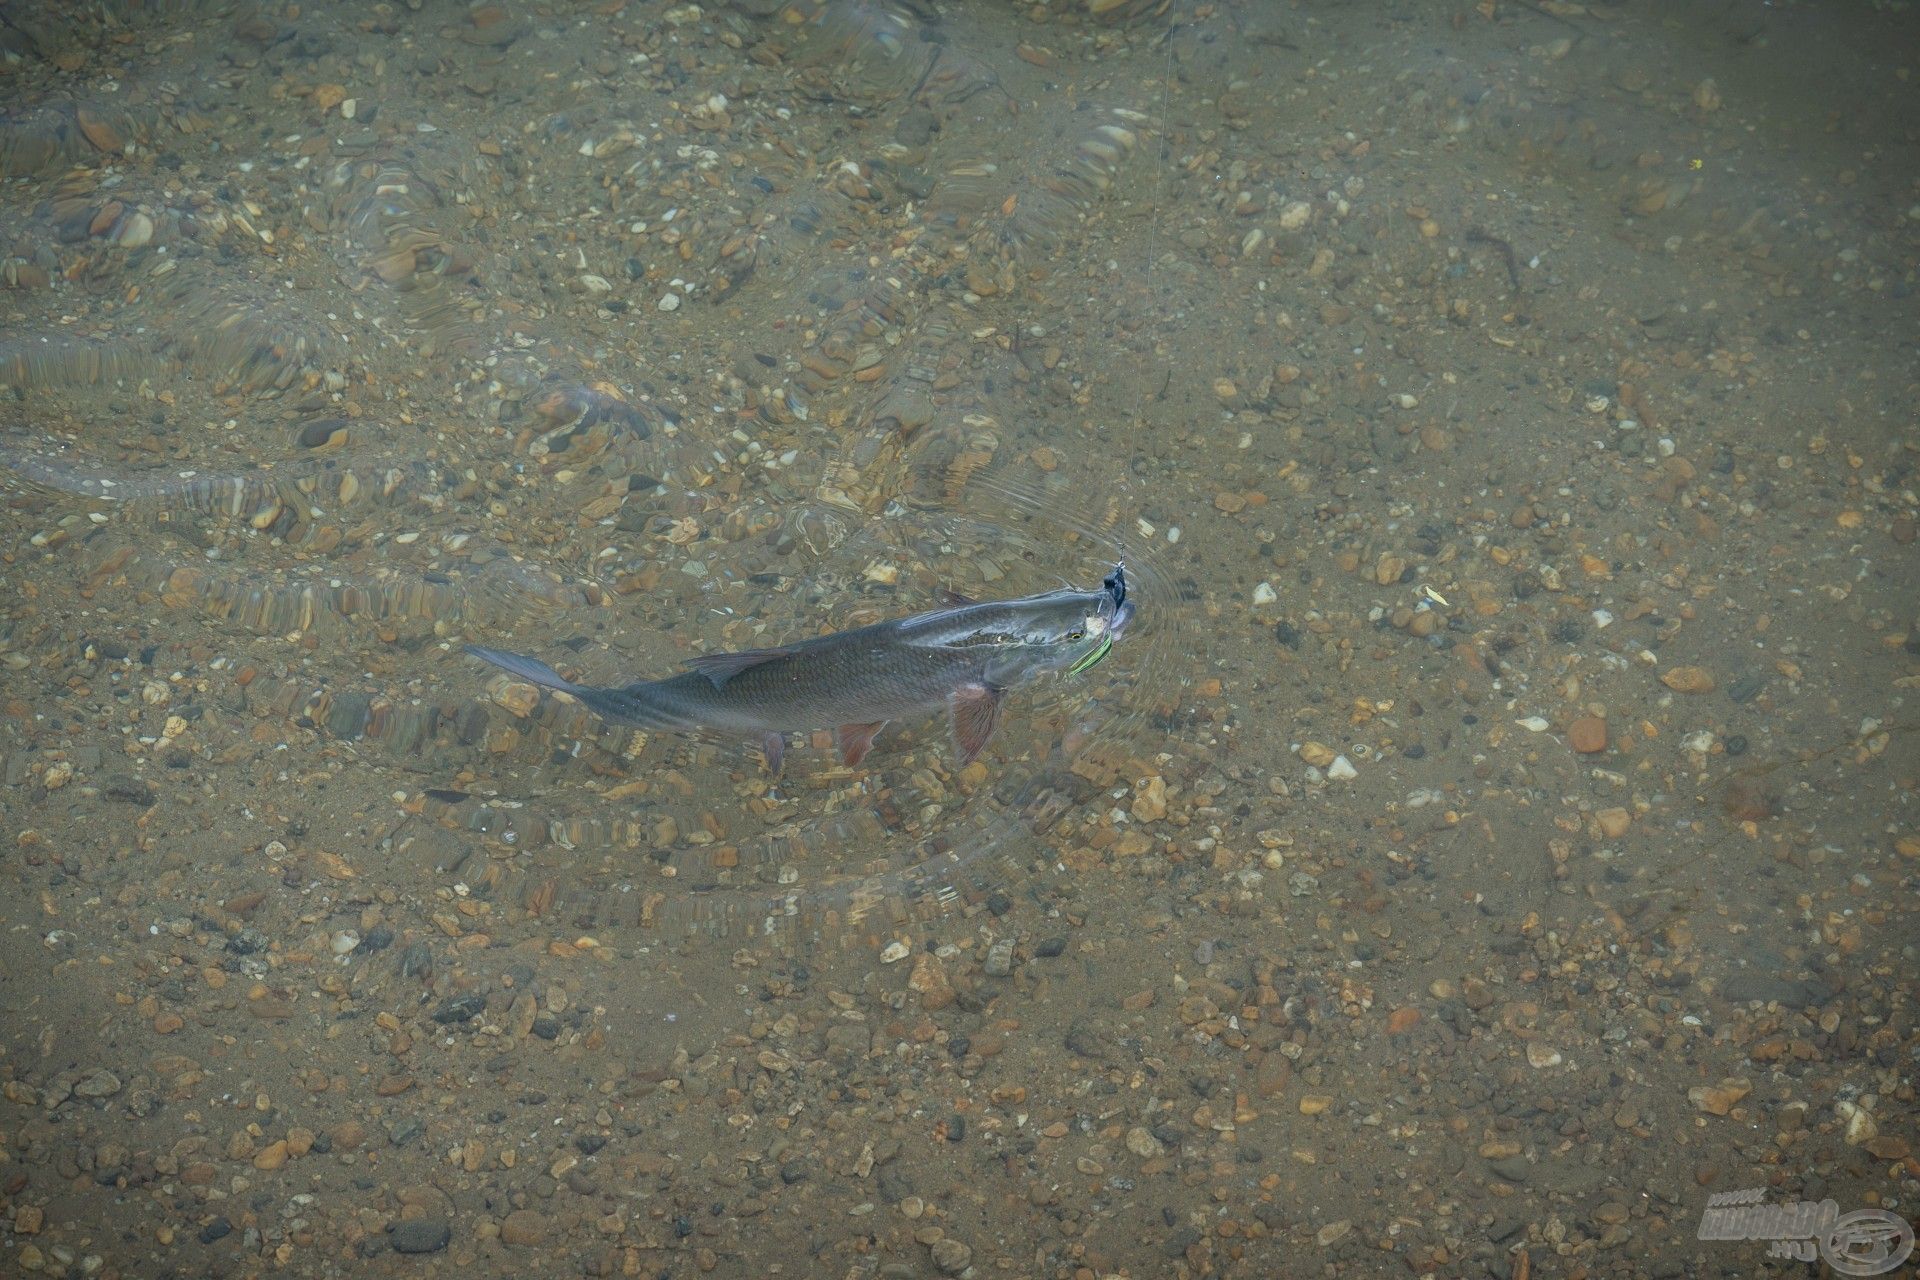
(345, 941)
(894, 952)
(1532, 724)
(1265, 594)
(1602, 618)
(1342, 769)
(669, 302)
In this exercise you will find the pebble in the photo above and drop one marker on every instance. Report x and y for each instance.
(929, 978)
(1688, 680)
(1142, 1143)
(1719, 1099)
(420, 1235)
(951, 1256)
(97, 1083)
(1747, 799)
(1587, 735)
(524, 1227)
(1859, 1126)
(1341, 770)
(1149, 799)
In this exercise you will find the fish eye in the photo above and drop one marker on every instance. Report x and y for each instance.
(1076, 634)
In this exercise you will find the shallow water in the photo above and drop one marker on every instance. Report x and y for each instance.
(1495, 838)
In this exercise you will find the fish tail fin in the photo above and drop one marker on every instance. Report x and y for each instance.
(529, 669)
(633, 705)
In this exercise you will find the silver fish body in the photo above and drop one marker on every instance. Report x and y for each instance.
(962, 659)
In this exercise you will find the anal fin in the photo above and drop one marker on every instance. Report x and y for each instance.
(855, 740)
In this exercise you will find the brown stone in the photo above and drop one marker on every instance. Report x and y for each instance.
(1587, 735)
(348, 1134)
(1747, 800)
(1688, 680)
(1274, 1075)
(929, 978)
(1718, 1099)
(272, 1156)
(524, 1227)
(98, 131)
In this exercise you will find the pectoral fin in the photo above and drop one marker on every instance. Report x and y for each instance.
(975, 709)
(855, 740)
(722, 667)
(773, 748)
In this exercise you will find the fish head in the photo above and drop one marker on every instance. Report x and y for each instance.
(1068, 631)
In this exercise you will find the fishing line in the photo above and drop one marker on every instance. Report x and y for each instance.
(1159, 192)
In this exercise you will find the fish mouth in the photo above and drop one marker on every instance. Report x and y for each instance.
(1122, 615)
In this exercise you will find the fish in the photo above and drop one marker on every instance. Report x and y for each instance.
(962, 658)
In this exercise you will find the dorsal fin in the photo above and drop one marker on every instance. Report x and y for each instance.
(722, 667)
